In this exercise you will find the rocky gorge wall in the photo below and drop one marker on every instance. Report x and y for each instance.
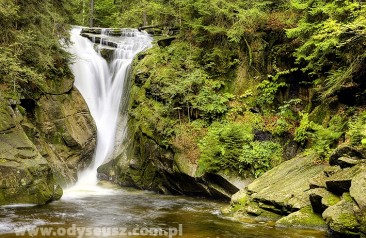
(44, 141)
(304, 193)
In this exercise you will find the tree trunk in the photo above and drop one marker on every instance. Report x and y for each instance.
(144, 17)
(91, 13)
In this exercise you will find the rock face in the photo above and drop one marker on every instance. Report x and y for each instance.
(66, 133)
(25, 176)
(43, 141)
(155, 168)
(303, 193)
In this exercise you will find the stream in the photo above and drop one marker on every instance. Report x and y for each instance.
(120, 212)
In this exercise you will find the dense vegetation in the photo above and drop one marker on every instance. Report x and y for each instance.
(31, 57)
(240, 81)
(243, 79)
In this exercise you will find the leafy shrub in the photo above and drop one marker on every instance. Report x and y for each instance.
(260, 156)
(320, 139)
(222, 146)
(357, 129)
(231, 146)
(301, 133)
(268, 90)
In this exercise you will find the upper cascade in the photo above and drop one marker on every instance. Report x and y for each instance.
(104, 85)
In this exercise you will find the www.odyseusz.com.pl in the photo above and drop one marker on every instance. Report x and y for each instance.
(80, 232)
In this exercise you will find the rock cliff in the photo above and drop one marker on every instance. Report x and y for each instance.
(44, 140)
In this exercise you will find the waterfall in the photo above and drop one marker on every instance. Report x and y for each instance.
(104, 86)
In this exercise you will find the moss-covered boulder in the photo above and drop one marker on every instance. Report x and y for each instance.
(340, 182)
(321, 199)
(358, 193)
(304, 218)
(282, 191)
(341, 218)
(346, 156)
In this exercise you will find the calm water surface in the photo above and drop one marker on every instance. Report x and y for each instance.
(126, 210)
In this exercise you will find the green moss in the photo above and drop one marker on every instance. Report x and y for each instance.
(330, 200)
(347, 197)
(305, 217)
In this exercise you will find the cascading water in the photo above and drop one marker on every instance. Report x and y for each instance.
(103, 86)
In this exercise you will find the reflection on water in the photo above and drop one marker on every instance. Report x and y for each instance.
(132, 210)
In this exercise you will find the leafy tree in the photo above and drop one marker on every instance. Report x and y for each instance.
(31, 54)
(330, 35)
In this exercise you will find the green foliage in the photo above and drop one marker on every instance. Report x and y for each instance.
(260, 156)
(231, 146)
(321, 139)
(301, 132)
(357, 129)
(330, 35)
(30, 50)
(222, 146)
(282, 126)
(268, 90)
(211, 104)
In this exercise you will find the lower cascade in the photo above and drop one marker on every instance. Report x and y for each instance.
(104, 86)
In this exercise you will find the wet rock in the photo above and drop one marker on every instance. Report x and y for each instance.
(154, 167)
(341, 218)
(304, 218)
(107, 53)
(262, 135)
(25, 176)
(340, 182)
(358, 188)
(6, 122)
(330, 170)
(346, 162)
(92, 30)
(166, 41)
(66, 133)
(57, 193)
(342, 152)
(318, 181)
(321, 199)
(220, 181)
(253, 209)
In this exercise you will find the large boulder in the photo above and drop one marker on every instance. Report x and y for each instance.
(321, 199)
(340, 182)
(341, 218)
(358, 193)
(286, 186)
(304, 218)
(43, 143)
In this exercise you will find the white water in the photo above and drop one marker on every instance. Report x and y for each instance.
(103, 86)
